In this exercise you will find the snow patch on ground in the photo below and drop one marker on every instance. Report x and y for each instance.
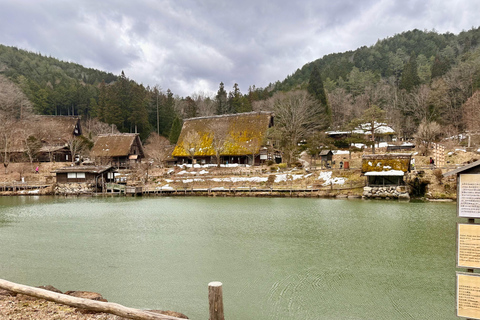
(327, 177)
(165, 187)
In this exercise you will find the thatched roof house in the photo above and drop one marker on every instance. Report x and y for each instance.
(119, 150)
(231, 138)
(54, 130)
(50, 134)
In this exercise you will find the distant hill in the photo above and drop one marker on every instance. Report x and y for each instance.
(415, 77)
(387, 57)
(52, 85)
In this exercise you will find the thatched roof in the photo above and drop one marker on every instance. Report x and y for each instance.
(50, 130)
(233, 134)
(386, 162)
(53, 130)
(116, 145)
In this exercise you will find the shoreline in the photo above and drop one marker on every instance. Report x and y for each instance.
(232, 192)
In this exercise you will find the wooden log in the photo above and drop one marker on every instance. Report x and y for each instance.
(215, 301)
(99, 306)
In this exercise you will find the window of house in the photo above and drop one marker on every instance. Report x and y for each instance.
(76, 175)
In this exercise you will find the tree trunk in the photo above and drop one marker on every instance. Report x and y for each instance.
(93, 305)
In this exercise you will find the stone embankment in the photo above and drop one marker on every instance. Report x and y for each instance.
(72, 189)
(386, 192)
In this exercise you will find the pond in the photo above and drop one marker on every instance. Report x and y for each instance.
(277, 258)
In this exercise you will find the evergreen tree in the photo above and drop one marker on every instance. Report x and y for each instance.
(167, 114)
(317, 91)
(221, 100)
(410, 78)
(175, 130)
(190, 108)
(440, 66)
(235, 100)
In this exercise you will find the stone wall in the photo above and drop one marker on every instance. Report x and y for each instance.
(387, 192)
(73, 188)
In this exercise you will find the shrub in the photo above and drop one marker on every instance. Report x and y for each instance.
(438, 174)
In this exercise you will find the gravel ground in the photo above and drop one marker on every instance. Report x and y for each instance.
(26, 308)
(21, 307)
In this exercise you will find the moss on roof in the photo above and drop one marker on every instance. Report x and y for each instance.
(386, 162)
(235, 135)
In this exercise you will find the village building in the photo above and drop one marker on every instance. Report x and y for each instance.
(226, 139)
(83, 179)
(119, 150)
(384, 134)
(385, 175)
(326, 157)
(43, 138)
(85, 174)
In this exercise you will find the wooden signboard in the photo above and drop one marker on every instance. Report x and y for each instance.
(468, 246)
(469, 195)
(468, 295)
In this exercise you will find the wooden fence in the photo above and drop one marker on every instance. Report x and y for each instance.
(215, 298)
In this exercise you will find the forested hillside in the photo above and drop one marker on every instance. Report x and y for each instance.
(418, 79)
(415, 77)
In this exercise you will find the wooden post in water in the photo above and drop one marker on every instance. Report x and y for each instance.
(215, 301)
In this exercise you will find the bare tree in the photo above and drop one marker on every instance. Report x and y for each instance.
(371, 120)
(191, 143)
(31, 144)
(470, 113)
(427, 133)
(219, 136)
(158, 148)
(93, 127)
(341, 103)
(75, 145)
(13, 102)
(295, 119)
(253, 147)
(206, 105)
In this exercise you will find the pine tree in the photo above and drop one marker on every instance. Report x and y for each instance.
(410, 78)
(175, 130)
(221, 99)
(317, 91)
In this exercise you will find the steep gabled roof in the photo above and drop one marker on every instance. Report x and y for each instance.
(116, 145)
(50, 130)
(237, 134)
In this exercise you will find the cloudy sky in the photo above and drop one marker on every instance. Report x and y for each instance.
(191, 46)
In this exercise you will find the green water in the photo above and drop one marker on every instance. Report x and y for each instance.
(277, 258)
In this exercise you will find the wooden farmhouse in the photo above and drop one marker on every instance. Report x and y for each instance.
(42, 138)
(386, 169)
(96, 175)
(119, 150)
(225, 139)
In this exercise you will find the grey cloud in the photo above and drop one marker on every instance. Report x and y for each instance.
(189, 44)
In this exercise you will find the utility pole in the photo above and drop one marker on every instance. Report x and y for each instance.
(158, 118)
